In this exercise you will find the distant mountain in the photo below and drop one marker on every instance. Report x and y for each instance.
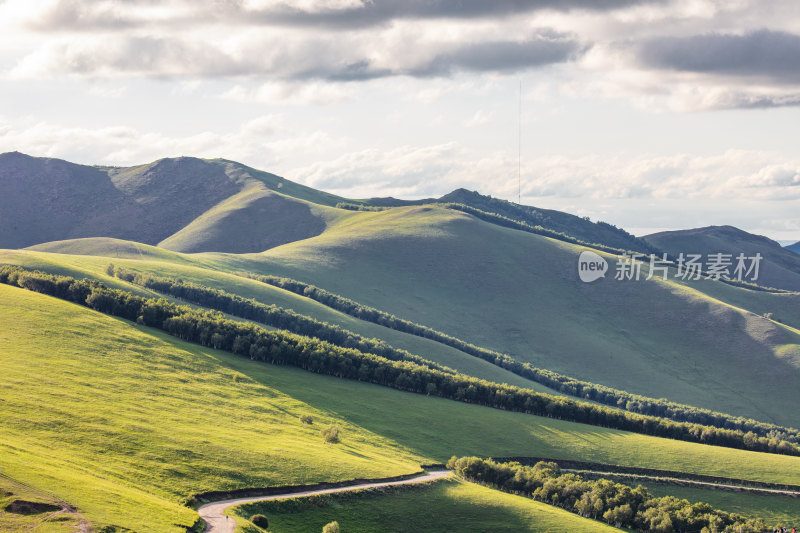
(580, 228)
(184, 204)
(794, 247)
(188, 204)
(780, 268)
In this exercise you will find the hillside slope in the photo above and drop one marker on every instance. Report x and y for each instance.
(519, 293)
(189, 204)
(576, 227)
(794, 247)
(780, 268)
(85, 428)
(572, 225)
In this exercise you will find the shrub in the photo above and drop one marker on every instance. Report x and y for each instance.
(306, 419)
(331, 435)
(260, 520)
(332, 527)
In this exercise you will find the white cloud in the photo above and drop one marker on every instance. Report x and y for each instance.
(263, 141)
(480, 118)
(435, 170)
(290, 93)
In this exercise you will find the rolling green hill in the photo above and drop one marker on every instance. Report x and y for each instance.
(700, 343)
(518, 293)
(185, 203)
(112, 422)
(127, 255)
(460, 506)
(126, 422)
(568, 224)
(576, 227)
(780, 268)
(195, 205)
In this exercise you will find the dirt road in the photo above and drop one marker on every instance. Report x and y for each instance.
(214, 512)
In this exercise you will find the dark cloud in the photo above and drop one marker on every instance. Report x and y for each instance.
(314, 59)
(503, 56)
(765, 54)
(377, 12)
(495, 56)
(72, 15)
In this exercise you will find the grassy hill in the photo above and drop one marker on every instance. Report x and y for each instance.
(519, 293)
(460, 506)
(701, 343)
(112, 422)
(190, 204)
(159, 261)
(126, 422)
(252, 220)
(566, 223)
(780, 268)
(577, 227)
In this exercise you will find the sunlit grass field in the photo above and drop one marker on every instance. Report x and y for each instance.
(44, 522)
(447, 505)
(126, 422)
(164, 263)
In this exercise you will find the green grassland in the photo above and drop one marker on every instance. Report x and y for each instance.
(519, 293)
(92, 266)
(125, 422)
(36, 522)
(253, 220)
(774, 509)
(459, 506)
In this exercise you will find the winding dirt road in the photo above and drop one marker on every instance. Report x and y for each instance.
(214, 512)
(681, 481)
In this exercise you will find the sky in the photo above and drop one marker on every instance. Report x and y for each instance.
(648, 114)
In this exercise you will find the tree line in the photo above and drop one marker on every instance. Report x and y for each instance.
(634, 403)
(213, 329)
(504, 221)
(602, 499)
(270, 315)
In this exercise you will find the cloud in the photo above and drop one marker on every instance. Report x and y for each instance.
(264, 141)
(356, 58)
(480, 118)
(543, 48)
(291, 93)
(361, 14)
(419, 171)
(764, 54)
(74, 15)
